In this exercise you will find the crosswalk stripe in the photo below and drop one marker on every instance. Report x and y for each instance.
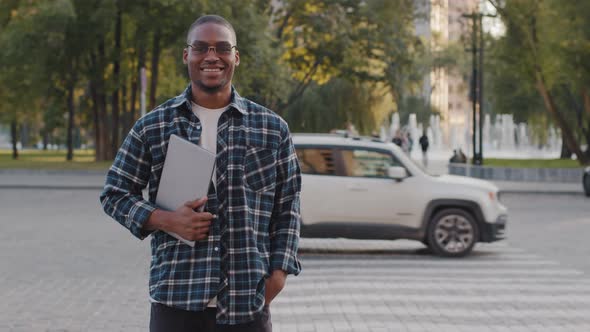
(361, 309)
(325, 325)
(436, 271)
(473, 286)
(294, 297)
(548, 281)
(497, 287)
(444, 263)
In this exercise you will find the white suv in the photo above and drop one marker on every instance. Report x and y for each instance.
(366, 189)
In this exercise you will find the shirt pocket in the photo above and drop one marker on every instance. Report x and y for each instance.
(260, 168)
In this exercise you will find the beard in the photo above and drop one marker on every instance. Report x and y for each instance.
(208, 89)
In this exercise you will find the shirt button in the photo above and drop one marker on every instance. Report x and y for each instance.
(216, 249)
(198, 127)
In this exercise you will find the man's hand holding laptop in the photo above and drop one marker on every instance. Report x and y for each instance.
(185, 221)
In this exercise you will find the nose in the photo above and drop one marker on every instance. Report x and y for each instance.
(211, 55)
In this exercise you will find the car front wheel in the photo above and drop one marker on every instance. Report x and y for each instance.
(452, 233)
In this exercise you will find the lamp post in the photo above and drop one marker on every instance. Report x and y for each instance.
(475, 89)
(477, 83)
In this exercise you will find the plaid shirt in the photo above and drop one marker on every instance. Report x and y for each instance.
(258, 185)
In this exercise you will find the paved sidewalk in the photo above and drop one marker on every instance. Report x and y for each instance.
(13, 179)
(18, 179)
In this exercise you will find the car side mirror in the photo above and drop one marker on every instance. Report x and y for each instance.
(397, 173)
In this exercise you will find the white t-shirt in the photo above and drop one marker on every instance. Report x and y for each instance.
(209, 122)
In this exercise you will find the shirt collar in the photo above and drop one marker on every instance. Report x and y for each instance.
(236, 101)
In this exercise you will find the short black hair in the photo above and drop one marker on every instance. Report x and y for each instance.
(211, 19)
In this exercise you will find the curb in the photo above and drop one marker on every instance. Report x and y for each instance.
(51, 172)
(51, 187)
(516, 174)
(363, 251)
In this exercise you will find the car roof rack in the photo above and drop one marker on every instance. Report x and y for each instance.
(344, 134)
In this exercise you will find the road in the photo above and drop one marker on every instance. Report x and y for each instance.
(556, 227)
(65, 266)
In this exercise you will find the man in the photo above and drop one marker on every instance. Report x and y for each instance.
(247, 236)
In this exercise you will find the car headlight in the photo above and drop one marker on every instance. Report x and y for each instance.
(495, 196)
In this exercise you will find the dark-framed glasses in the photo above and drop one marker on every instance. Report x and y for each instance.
(220, 48)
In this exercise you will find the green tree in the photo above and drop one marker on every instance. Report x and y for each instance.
(535, 29)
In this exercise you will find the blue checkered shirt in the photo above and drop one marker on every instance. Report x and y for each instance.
(256, 201)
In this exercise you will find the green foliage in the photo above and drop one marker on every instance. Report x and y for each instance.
(510, 85)
(320, 63)
(331, 106)
(416, 105)
(53, 160)
(544, 51)
(532, 163)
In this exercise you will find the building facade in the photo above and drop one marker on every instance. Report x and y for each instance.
(441, 24)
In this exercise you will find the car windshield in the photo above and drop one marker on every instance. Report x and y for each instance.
(421, 167)
(404, 158)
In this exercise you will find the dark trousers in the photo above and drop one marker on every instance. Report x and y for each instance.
(167, 319)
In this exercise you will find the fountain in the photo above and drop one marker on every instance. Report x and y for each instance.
(502, 138)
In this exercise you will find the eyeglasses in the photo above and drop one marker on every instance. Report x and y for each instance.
(220, 48)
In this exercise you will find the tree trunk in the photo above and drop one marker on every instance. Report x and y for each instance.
(14, 137)
(141, 85)
(70, 101)
(132, 116)
(116, 78)
(132, 104)
(300, 89)
(566, 153)
(586, 97)
(566, 131)
(124, 112)
(102, 103)
(154, 65)
(97, 121)
(45, 139)
(98, 104)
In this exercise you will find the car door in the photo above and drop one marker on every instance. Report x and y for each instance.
(320, 184)
(369, 195)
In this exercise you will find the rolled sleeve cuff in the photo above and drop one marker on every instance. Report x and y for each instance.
(138, 216)
(287, 262)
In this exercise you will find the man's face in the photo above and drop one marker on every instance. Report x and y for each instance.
(211, 71)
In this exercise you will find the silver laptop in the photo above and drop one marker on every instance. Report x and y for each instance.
(186, 176)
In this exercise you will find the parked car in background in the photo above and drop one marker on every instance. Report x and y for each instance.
(586, 181)
(363, 188)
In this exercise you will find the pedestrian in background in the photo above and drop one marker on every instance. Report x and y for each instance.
(247, 236)
(397, 139)
(409, 142)
(424, 145)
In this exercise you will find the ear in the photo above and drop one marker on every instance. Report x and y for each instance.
(237, 58)
(185, 55)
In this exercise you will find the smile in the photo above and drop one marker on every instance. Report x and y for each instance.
(211, 70)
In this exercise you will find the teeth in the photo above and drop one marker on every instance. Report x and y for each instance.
(211, 69)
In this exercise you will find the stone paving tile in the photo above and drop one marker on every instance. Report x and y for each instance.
(93, 277)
